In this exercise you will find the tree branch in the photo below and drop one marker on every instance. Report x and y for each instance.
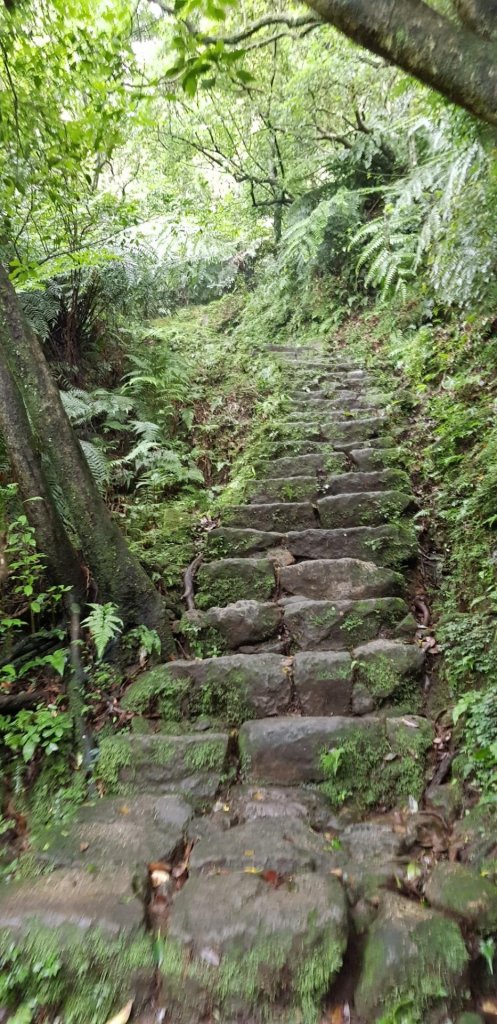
(304, 21)
(415, 37)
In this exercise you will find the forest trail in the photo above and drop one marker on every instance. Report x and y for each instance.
(271, 897)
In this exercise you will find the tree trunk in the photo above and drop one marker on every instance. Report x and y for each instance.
(447, 56)
(62, 560)
(117, 572)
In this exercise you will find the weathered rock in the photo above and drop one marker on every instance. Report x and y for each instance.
(362, 701)
(224, 930)
(72, 898)
(237, 543)
(475, 835)
(411, 953)
(323, 682)
(287, 751)
(231, 687)
(365, 508)
(287, 846)
(192, 764)
(280, 515)
(368, 460)
(463, 893)
(386, 545)
(447, 799)
(292, 488)
(238, 624)
(383, 665)
(360, 429)
(349, 483)
(249, 803)
(339, 579)
(324, 625)
(347, 398)
(228, 580)
(118, 834)
(303, 465)
(371, 855)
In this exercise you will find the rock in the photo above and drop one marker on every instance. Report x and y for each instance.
(190, 764)
(296, 488)
(371, 855)
(383, 665)
(463, 893)
(287, 751)
(384, 545)
(231, 687)
(124, 834)
(367, 508)
(411, 954)
(367, 460)
(362, 701)
(475, 835)
(353, 430)
(280, 515)
(228, 580)
(285, 845)
(228, 540)
(325, 625)
(349, 483)
(249, 803)
(323, 682)
(226, 930)
(303, 465)
(238, 624)
(74, 897)
(447, 799)
(339, 579)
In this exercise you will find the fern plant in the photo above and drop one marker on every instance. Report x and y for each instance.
(103, 624)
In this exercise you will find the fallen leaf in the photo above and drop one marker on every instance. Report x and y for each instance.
(159, 865)
(489, 1006)
(123, 1016)
(182, 868)
(248, 853)
(83, 847)
(337, 872)
(273, 878)
(410, 722)
(251, 871)
(159, 878)
(258, 795)
(124, 809)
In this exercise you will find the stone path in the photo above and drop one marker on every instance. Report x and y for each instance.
(261, 781)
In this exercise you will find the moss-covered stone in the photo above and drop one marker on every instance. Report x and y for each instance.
(462, 892)
(413, 958)
(232, 579)
(162, 764)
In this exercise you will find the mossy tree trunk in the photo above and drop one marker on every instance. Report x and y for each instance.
(118, 575)
(455, 58)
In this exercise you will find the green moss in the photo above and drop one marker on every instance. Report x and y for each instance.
(206, 756)
(79, 977)
(382, 679)
(219, 585)
(374, 770)
(156, 692)
(113, 755)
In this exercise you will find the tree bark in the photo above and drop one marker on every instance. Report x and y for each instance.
(444, 55)
(117, 572)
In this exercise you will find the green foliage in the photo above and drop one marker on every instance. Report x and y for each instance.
(477, 761)
(103, 625)
(45, 730)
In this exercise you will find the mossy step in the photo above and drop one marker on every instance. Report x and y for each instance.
(346, 399)
(364, 508)
(323, 682)
(385, 545)
(192, 764)
(227, 580)
(341, 625)
(334, 430)
(277, 516)
(463, 893)
(293, 751)
(241, 624)
(302, 465)
(225, 929)
(380, 480)
(368, 460)
(339, 579)
(382, 668)
(230, 688)
(287, 488)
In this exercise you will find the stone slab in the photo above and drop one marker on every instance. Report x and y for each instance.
(339, 579)
(367, 508)
(325, 625)
(323, 682)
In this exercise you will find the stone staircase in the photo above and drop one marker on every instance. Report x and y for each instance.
(275, 762)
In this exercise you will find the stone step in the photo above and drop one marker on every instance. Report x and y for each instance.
(226, 580)
(238, 625)
(229, 688)
(368, 460)
(381, 480)
(191, 763)
(292, 751)
(340, 579)
(341, 625)
(281, 516)
(303, 465)
(343, 431)
(384, 545)
(364, 508)
(287, 488)
(345, 400)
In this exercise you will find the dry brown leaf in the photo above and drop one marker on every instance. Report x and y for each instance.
(123, 1016)
(489, 1006)
(159, 878)
(83, 847)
